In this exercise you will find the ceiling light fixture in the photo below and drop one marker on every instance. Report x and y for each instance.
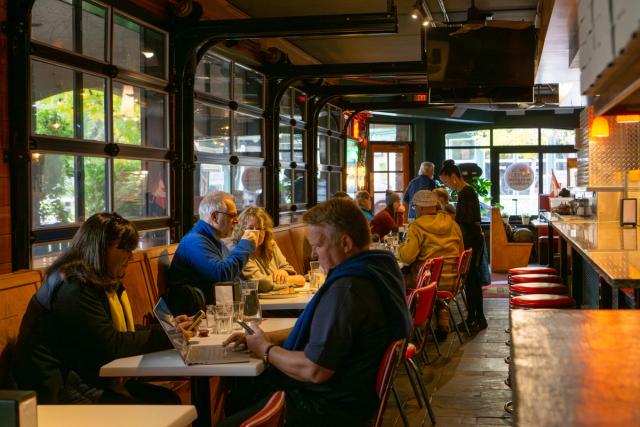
(628, 118)
(147, 54)
(600, 127)
(425, 22)
(415, 13)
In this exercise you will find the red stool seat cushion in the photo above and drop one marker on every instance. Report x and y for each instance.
(529, 278)
(445, 295)
(531, 270)
(539, 288)
(411, 351)
(542, 301)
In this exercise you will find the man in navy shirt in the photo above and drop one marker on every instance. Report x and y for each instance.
(202, 259)
(424, 181)
(328, 363)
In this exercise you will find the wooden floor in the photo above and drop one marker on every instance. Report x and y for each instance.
(466, 384)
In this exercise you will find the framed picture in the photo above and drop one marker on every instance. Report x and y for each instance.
(628, 212)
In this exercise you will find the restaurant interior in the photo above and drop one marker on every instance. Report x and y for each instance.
(144, 107)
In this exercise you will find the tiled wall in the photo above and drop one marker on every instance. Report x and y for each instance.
(5, 209)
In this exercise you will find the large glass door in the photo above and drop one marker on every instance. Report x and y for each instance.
(519, 182)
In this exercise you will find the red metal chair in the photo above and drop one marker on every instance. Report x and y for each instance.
(271, 415)
(462, 263)
(421, 302)
(430, 271)
(384, 383)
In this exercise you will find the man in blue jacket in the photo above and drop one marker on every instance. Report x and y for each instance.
(202, 259)
(424, 181)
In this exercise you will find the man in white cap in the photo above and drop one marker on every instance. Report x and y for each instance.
(433, 234)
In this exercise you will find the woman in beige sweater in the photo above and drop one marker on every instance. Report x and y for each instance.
(268, 265)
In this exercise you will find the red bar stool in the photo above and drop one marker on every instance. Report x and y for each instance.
(531, 270)
(538, 288)
(542, 301)
(530, 278)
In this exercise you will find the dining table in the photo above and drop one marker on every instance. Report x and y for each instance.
(116, 415)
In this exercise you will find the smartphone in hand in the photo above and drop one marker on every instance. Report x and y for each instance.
(197, 318)
(246, 327)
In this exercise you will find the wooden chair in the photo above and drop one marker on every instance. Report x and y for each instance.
(505, 254)
(140, 288)
(157, 261)
(271, 415)
(16, 290)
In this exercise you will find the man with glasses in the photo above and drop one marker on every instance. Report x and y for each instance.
(202, 259)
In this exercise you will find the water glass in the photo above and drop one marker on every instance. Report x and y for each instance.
(224, 317)
(211, 318)
(314, 265)
(238, 314)
(250, 301)
(316, 279)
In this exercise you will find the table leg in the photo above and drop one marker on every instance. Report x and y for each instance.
(576, 279)
(551, 244)
(606, 294)
(636, 297)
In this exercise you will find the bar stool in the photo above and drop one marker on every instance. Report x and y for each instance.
(531, 270)
(538, 288)
(530, 278)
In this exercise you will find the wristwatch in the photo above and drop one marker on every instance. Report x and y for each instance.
(265, 356)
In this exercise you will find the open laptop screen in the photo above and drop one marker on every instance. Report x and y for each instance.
(164, 316)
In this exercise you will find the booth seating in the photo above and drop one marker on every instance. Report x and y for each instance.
(505, 254)
(141, 289)
(16, 290)
(293, 243)
(157, 261)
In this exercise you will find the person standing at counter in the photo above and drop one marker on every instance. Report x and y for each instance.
(80, 319)
(468, 217)
(202, 259)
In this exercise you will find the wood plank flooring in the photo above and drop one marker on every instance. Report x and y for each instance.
(466, 383)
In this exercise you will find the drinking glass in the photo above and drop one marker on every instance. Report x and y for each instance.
(250, 301)
(238, 314)
(211, 318)
(316, 279)
(314, 265)
(224, 317)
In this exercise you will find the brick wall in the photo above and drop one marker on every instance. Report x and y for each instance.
(5, 208)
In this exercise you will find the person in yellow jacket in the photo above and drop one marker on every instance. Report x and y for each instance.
(433, 234)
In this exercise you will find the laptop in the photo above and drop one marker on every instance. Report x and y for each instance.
(195, 354)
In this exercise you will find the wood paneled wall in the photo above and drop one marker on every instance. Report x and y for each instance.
(5, 191)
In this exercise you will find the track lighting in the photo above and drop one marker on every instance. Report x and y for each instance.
(415, 13)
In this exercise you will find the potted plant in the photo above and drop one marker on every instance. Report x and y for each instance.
(525, 218)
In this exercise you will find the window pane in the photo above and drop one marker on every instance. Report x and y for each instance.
(285, 143)
(299, 105)
(380, 181)
(152, 238)
(479, 156)
(395, 161)
(335, 183)
(389, 132)
(285, 103)
(211, 129)
(299, 186)
(516, 137)
(322, 149)
(52, 23)
(248, 130)
(53, 189)
(208, 178)
(138, 48)
(93, 108)
(380, 161)
(298, 145)
(94, 30)
(335, 118)
(556, 163)
(51, 100)
(517, 202)
(335, 151)
(471, 138)
(138, 116)
(323, 117)
(135, 181)
(248, 185)
(323, 186)
(95, 188)
(43, 254)
(558, 137)
(286, 192)
(379, 201)
(247, 86)
(213, 76)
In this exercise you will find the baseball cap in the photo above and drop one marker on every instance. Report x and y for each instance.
(425, 199)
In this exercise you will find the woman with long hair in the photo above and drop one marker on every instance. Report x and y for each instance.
(80, 319)
(389, 218)
(267, 264)
(468, 218)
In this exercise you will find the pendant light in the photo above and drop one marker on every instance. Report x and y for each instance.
(600, 127)
(628, 118)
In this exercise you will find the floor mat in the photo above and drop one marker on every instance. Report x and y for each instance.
(496, 290)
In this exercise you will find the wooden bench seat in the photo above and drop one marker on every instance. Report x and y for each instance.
(505, 254)
(293, 243)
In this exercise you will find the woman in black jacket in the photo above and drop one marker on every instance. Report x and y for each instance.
(80, 319)
(468, 218)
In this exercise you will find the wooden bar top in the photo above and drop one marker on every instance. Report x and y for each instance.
(614, 251)
(576, 367)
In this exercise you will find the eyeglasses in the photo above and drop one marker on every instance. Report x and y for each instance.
(230, 215)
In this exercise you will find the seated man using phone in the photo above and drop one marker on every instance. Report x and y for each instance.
(328, 363)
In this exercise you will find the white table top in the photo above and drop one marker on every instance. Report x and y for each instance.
(115, 415)
(169, 363)
(298, 303)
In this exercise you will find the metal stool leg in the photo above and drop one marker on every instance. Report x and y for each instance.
(413, 384)
(464, 322)
(403, 415)
(423, 389)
